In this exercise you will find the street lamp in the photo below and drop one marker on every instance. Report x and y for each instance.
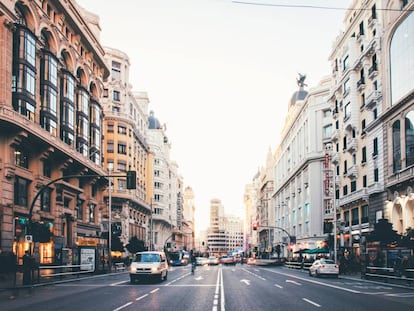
(110, 168)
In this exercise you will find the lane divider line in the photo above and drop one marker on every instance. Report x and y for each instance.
(142, 297)
(311, 302)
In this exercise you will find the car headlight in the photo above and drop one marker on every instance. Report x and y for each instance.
(133, 269)
(154, 269)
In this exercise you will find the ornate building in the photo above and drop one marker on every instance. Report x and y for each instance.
(52, 70)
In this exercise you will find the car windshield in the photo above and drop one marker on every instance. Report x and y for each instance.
(147, 258)
(329, 262)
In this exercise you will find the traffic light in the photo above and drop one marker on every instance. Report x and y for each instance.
(131, 180)
(255, 226)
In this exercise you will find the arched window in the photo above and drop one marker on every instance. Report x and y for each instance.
(396, 146)
(409, 138)
(402, 59)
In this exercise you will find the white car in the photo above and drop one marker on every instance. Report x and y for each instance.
(148, 265)
(213, 260)
(324, 267)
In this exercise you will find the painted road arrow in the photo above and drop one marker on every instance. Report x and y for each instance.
(247, 282)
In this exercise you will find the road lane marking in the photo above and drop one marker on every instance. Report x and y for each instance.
(312, 303)
(247, 282)
(315, 282)
(256, 275)
(142, 297)
(118, 283)
(278, 286)
(154, 291)
(293, 282)
(222, 305)
(123, 306)
(216, 292)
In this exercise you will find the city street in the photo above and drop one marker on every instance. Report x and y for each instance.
(240, 287)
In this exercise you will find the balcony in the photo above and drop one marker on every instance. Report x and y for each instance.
(372, 21)
(373, 71)
(361, 84)
(351, 145)
(335, 158)
(360, 195)
(335, 135)
(352, 172)
(372, 99)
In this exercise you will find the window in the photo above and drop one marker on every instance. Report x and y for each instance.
(92, 213)
(21, 158)
(122, 166)
(376, 175)
(346, 87)
(346, 216)
(116, 71)
(116, 96)
(345, 190)
(409, 139)
(122, 129)
(355, 216)
(122, 148)
(361, 28)
(364, 181)
(363, 125)
(110, 146)
(364, 155)
(110, 127)
(375, 147)
(327, 131)
(396, 146)
(364, 214)
(121, 184)
(347, 111)
(47, 168)
(401, 58)
(45, 200)
(345, 167)
(79, 209)
(345, 63)
(353, 186)
(21, 190)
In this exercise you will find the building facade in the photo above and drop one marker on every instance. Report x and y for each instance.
(126, 149)
(299, 170)
(52, 71)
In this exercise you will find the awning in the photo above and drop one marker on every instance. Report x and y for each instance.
(301, 251)
(323, 250)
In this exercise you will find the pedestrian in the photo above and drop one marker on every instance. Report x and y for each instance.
(27, 268)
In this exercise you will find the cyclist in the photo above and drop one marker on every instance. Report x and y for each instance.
(193, 261)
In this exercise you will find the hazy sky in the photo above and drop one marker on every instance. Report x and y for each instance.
(220, 75)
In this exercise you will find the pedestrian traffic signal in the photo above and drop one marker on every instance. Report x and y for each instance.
(255, 226)
(131, 180)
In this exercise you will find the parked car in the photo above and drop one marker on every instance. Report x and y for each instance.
(201, 261)
(213, 260)
(227, 260)
(251, 261)
(148, 265)
(324, 267)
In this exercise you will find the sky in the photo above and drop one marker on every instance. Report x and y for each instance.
(220, 74)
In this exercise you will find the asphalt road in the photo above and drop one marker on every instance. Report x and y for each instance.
(215, 288)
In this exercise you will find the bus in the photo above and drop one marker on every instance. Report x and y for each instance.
(179, 258)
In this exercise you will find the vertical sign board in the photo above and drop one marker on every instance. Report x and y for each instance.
(87, 258)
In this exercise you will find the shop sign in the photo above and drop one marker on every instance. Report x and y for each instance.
(84, 241)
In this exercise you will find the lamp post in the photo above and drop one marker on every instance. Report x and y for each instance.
(110, 168)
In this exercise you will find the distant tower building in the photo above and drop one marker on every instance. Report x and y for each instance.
(217, 238)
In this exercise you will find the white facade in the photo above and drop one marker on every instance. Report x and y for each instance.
(298, 196)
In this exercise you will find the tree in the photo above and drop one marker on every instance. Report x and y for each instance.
(116, 244)
(384, 234)
(135, 245)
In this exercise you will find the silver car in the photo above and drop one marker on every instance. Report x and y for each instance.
(324, 267)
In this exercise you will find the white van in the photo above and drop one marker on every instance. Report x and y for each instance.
(148, 265)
